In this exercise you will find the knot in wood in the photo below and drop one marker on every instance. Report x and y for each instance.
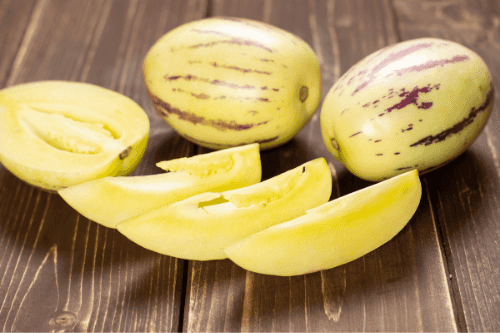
(63, 320)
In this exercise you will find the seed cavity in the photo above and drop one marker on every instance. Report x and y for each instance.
(65, 133)
(273, 190)
(202, 166)
(217, 205)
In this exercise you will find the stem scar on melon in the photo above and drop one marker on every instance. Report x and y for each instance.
(304, 92)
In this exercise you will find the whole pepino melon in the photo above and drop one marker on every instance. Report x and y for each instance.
(413, 105)
(224, 82)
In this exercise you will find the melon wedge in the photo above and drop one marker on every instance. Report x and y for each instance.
(111, 200)
(334, 233)
(200, 227)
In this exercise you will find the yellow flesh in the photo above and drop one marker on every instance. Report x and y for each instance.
(334, 233)
(201, 226)
(55, 134)
(113, 199)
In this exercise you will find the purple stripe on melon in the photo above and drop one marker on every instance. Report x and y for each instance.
(393, 57)
(458, 127)
(234, 41)
(200, 96)
(166, 110)
(234, 38)
(211, 32)
(239, 69)
(430, 64)
(405, 168)
(409, 128)
(190, 77)
(412, 98)
(340, 82)
(237, 97)
(357, 133)
(274, 138)
(215, 144)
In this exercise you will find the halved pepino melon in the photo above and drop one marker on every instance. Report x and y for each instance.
(55, 134)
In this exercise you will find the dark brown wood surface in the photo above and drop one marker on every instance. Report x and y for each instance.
(62, 272)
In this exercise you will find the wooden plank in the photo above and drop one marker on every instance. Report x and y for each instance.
(14, 19)
(402, 286)
(466, 193)
(58, 270)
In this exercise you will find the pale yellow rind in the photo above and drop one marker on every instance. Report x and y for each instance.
(27, 109)
(334, 233)
(201, 226)
(223, 82)
(111, 200)
(416, 104)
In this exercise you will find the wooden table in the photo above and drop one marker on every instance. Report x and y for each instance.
(62, 272)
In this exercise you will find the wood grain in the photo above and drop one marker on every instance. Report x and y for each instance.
(465, 194)
(58, 270)
(401, 286)
(14, 20)
(62, 272)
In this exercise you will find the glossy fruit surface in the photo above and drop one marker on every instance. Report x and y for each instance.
(201, 226)
(111, 200)
(413, 105)
(55, 134)
(334, 233)
(223, 82)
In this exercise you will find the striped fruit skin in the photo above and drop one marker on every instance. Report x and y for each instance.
(413, 105)
(224, 82)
